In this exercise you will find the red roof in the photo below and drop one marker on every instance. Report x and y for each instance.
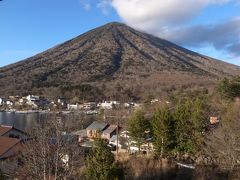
(6, 144)
(4, 129)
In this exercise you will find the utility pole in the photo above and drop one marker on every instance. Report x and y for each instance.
(117, 136)
(117, 131)
(162, 148)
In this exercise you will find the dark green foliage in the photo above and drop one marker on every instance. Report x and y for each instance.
(101, 163)
(179, 130)
(137, 127)
(229, 88)
(190, 118)
(183, 131)
(163, 131)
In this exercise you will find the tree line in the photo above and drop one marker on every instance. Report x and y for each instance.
(178, 129)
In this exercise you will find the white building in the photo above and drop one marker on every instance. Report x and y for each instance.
(74, 106)
(108, 104)
(9, 103)
(32, 98)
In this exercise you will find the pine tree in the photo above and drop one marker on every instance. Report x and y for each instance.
(137, 126)
(229, 88)
(101, 163)
(189, 117)
(198, 120)
(182, 116)
(163, 126)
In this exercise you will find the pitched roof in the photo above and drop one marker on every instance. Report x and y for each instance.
(110, 129)
(4, 129)
(6, 144)
(97, 125)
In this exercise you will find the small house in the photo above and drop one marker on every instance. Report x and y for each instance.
(109, 132)
(73, 107)
(95, 129)
(62, 102)
(89, 105)
(32, 98)
(108, 104)
(9, 103)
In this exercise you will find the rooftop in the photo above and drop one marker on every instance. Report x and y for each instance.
(4, 129)
(6, 144)
(96, 125)
(110, 129)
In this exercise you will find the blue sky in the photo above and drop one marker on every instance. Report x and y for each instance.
(28, 27)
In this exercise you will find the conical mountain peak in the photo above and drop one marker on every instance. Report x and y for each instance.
(112, 60)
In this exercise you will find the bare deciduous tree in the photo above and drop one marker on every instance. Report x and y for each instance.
(51, 153)
(223, 145)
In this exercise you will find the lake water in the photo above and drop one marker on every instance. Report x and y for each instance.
(20, 120)
(25, 121)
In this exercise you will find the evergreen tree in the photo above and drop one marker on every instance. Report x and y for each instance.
(189, 117)
(182, 116)
(198, 120)
(137, 127)
(229, 88)
(101, 163)
(163, 126)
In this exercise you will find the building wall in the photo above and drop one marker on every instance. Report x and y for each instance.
(93, 134)
(108, 135)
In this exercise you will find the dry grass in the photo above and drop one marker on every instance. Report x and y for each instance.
(141, 167)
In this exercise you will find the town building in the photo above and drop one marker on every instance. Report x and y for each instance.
(108, 104)
(109, 132)
(95, 129)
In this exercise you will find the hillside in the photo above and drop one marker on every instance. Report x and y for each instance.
(112, 61)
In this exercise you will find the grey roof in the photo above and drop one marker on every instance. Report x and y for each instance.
(97, 125)
(110, 129)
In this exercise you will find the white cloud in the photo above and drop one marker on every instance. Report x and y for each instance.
(86, 4)
(149, 14)
(171, 19)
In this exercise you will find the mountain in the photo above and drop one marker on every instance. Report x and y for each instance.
(114, 60)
